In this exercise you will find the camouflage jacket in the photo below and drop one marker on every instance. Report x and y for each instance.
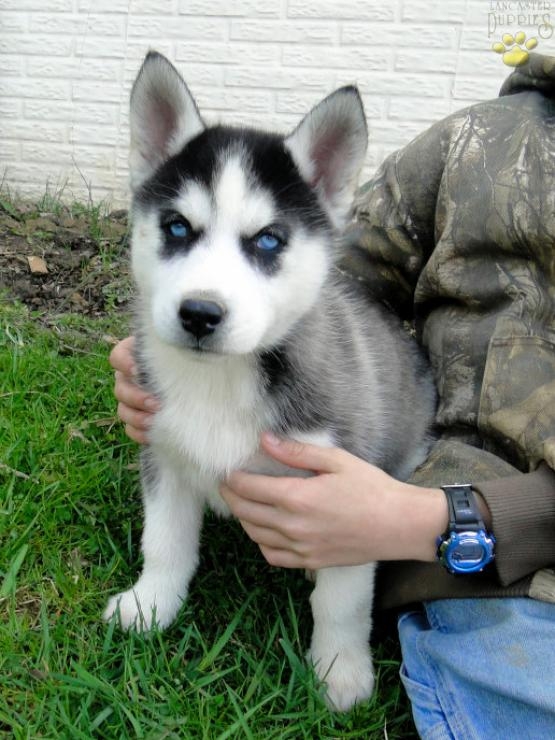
(457, 231)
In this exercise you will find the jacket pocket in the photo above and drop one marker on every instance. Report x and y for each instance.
(517, 403)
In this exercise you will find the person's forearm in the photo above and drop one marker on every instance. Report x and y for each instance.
(422, 516)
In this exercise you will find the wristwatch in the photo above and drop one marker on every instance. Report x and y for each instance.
(466, 546)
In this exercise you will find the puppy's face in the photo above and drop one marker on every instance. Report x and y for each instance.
(232, 229)
(230, 245)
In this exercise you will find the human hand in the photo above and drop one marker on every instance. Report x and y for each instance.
(348, 513)
(136, 406)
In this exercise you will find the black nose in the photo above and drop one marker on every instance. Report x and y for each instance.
(200, 318)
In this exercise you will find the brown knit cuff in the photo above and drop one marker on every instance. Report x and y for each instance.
(523, 522)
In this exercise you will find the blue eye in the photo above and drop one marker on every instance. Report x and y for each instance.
(268, 241)
(178, 229)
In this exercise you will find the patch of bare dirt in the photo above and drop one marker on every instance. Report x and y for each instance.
(63, 261)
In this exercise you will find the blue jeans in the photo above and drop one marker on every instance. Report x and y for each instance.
(480, 669)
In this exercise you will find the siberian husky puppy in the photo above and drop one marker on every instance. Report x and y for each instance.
(245, 324)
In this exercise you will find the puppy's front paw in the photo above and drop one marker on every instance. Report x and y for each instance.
(141, 608)
(348, 676)
(129, 610)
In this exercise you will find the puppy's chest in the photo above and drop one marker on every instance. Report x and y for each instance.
(209, 425)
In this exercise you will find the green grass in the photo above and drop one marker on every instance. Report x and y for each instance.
(70, 520)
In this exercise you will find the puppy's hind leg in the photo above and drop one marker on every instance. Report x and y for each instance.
(340, 652)
(170, 543)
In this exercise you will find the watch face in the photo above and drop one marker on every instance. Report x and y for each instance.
(468, 552)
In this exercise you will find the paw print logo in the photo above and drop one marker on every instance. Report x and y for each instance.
(515, 48)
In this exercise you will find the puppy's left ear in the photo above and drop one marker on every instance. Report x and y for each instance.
(328, 147)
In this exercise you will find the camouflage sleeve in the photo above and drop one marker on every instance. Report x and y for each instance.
(392, 231)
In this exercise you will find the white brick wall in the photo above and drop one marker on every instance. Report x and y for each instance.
(66, 67)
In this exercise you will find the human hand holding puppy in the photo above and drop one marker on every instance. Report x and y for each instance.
(350, 512)
(135, 405)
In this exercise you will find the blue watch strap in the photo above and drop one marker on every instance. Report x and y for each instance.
(464, 514)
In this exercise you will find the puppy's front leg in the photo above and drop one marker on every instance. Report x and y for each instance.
(341, 606)
(170, 543)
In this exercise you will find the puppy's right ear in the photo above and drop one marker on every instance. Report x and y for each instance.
(163, 117)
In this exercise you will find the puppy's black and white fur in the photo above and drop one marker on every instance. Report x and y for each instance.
(246, 325)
